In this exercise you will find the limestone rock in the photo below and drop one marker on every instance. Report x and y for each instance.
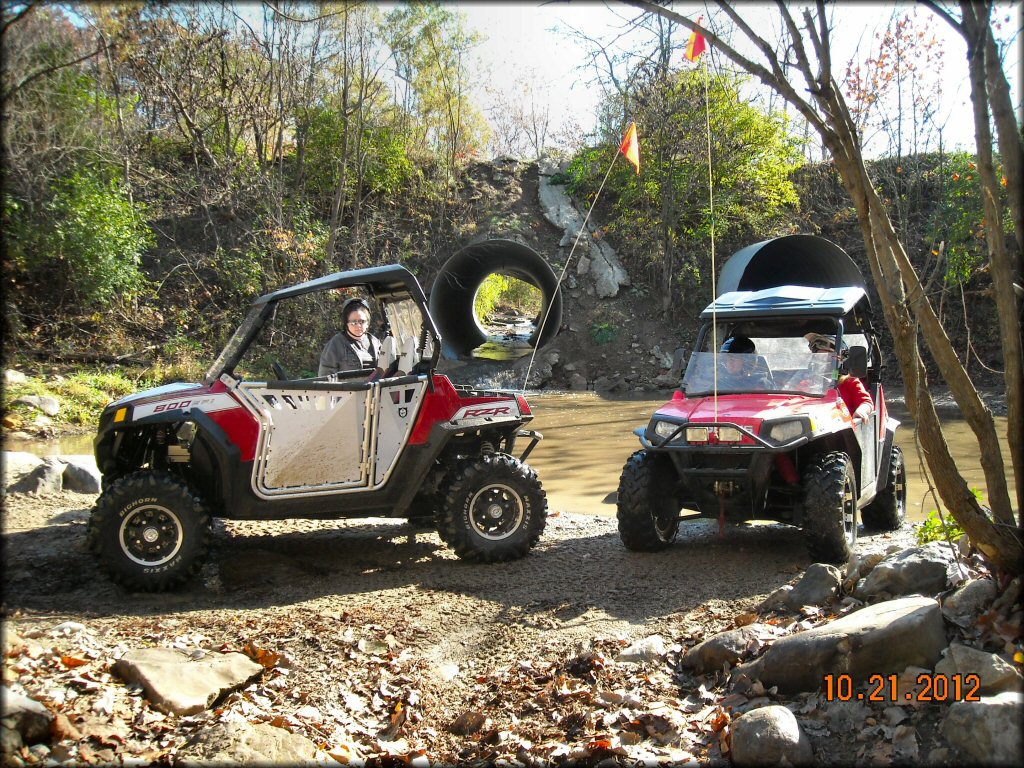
(647, 649)
(968, 601)
(45, 403)
(235, 743)
(770, 736)
(924, 570)
(995, 673)
(81, 474)
(46, 477)
(731, 646)
(877, 639)
(17, 464)
(182, 683)
(987, 731)
(25, 720)
(12, 376)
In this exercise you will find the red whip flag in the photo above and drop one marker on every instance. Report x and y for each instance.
(631, 147)
(697, 44)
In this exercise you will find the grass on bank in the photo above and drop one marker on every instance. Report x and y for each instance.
(83, 391)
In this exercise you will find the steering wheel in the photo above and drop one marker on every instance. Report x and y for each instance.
(279, 371)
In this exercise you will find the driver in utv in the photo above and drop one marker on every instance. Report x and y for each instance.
(740, 369)
(354, 348)
(851, 389)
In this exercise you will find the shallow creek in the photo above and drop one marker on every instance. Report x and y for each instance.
(588, 437)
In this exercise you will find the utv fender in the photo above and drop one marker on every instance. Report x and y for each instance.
(226, 455)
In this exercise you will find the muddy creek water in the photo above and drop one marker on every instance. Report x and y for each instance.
(588, 437)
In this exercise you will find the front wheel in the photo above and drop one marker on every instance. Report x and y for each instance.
(648, 509)
(150, 531)
(830, 508)
(494, 509)
(888, 511)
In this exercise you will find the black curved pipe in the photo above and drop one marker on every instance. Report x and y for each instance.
(455, 287)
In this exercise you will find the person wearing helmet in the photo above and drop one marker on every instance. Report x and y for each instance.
(739, 364)
(354, 347)
(851, 389)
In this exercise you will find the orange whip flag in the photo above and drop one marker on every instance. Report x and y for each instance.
(697, 44)
(631, 147)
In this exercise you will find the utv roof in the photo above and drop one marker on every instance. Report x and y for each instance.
(785, 301)
(393, 278)
(790, 260)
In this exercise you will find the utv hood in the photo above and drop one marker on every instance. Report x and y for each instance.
(156, 393)
(806, 260)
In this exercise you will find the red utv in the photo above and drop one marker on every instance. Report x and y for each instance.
(252, 442)
(779, 444)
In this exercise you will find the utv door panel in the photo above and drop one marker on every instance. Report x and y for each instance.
(311, 441)
(397, 406)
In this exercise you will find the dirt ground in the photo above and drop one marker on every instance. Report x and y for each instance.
(380, 641)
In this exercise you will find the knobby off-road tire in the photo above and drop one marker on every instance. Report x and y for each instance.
(830, 508)
(150, 531)
(494, 509)
(648, 509)
(888, 511)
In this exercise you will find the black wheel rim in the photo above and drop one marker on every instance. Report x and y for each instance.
(496, 512)
(849, 510)
(900, 488)
(151, 535)
(664, 524)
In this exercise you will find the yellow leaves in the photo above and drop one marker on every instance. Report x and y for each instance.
(1003, 181)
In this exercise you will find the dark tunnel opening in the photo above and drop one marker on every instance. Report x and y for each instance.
(455, 287)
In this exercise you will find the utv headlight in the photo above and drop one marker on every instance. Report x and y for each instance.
(666, 429)
(791, 429)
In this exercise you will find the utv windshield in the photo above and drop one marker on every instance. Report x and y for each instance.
(806, 373)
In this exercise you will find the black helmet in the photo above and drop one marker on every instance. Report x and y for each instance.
(738, 343)
(352, 304)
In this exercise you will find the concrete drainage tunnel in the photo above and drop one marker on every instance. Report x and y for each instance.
(454, 290)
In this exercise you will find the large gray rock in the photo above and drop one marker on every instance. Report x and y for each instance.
(595, 257)
(995, 674)
(185, 683)
(878, 639)
(46, 477)
(925, 570)
(81, 473)
(726, 647)
(987, 731)
(23, 719)
(819, 584)
(17, 464)
(250, 744)
(770, 736)
(45, 403)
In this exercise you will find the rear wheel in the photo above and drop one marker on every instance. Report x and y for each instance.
(494, 509)
(648, 509)
(889, 509)
(150, 531)
(830, 508)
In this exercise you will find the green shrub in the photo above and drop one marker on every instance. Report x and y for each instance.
(99, 235)
(603, 333)
(933, 529)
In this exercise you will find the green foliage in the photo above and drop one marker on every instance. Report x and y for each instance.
(959, 221)
(603, 333)
(933, 529)
(98, 236)
(502, 290)
(82, 394)
(661, 218)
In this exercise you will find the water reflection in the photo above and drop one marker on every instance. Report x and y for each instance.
(587, 439)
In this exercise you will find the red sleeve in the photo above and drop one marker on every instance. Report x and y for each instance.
(854, 394)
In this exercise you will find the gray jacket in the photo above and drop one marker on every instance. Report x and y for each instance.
(343, 353)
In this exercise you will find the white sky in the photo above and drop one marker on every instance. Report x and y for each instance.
(522, 39)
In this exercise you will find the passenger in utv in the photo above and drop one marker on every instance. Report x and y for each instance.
(354, 348)
(740, 372)
(851, 389)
